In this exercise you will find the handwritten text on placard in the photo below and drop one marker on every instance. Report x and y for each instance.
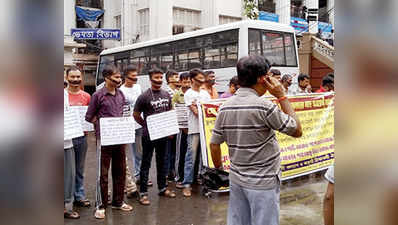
(162, 125)
(72, 125)
(117, 130)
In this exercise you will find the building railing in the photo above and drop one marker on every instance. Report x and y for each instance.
(323, 48)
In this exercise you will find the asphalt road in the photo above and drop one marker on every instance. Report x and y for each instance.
(301, 203)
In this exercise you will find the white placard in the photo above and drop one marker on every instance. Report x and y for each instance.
(82, 111)
(162, 125)
(117, 130)
(182, 115)
(72, 126)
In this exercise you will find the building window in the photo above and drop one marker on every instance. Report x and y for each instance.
(90, 3)
(229, 19)
(143, 22)
(185, 20)
(118, 21)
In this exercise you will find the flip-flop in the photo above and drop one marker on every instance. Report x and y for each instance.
(123, 207)
(82, 203)
(168, 193)
(144, 200)
(71, 215)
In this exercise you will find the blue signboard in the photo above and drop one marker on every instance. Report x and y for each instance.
(268, 16)
(299, 24)
(95, 34)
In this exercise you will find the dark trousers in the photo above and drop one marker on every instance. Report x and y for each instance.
(171, 157)
(183, 151)
(116, 154)
(148, 146)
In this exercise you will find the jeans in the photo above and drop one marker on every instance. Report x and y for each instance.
(136, 153)
(148, 147)
(190, 158)
(69, 178)
(80, 150)
(115, 154)
(171, 156)
(253, 207)
(182, 145)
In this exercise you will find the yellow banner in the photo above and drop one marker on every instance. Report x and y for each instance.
(312, 152)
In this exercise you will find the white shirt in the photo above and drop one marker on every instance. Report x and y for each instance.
(67, 143)
(189, 97)
(131, 95)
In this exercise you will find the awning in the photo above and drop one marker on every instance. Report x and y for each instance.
(88, 14)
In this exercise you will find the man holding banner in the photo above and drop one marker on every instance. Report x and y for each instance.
(192, 97)
(247, 123)
(78, 97)
(153, 101)
(109, 102)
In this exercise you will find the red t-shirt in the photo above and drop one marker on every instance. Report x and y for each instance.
(320, 90)
(81, 98)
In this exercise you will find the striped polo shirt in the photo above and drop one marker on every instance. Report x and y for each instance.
(247, 123)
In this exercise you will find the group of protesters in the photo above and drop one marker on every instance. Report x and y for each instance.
(122, 96)
(178, 156)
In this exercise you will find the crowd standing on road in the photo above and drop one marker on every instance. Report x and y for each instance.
(253, 189)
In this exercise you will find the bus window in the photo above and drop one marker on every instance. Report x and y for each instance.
(194, 59)
(181, 60)
(229, 55)
(254, 42)
(273, 49)
(104, 60)
(212, 58)
(290, 50)
(277, 47)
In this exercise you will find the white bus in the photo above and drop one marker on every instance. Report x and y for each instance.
(216, 48)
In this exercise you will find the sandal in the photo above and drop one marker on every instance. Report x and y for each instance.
(168, 193)
(71, 215)
(144, 200)
(123, 207)
(99, 214)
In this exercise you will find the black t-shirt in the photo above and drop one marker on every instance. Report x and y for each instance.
(152, 102)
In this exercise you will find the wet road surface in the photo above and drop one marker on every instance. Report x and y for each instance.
(301, 203)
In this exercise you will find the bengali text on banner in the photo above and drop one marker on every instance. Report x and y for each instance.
(312, 152)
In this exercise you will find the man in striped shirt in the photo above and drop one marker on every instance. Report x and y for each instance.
(247, 123)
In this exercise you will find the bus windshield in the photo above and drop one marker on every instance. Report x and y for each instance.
(277, 47)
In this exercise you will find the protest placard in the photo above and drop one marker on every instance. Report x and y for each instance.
(117, 130)
(182, 115)
(82, 112)
(72, 125)
(162, 125)
(312, 152)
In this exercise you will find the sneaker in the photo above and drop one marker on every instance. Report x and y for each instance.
(99, 214)
(186, 192)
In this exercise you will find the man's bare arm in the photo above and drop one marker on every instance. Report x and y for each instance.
(138, 118)
(277, 90)
(216, 155)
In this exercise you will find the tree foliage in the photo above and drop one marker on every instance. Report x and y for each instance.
(251, 9)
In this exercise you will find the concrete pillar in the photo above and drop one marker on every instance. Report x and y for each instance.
(283, 10)
(160, 18)
(313, 25)
(331, 10)
(69, 16)
(210, 13)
